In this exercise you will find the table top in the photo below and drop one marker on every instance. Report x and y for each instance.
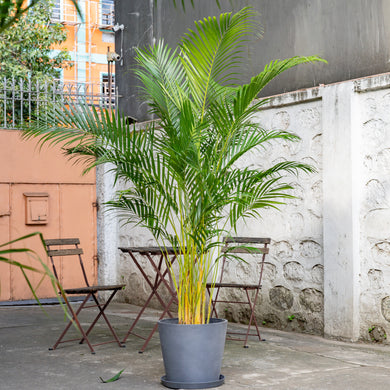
(153, 250)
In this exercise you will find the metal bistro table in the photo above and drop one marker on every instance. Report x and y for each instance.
(161, 277)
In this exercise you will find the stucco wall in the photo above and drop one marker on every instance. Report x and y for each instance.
(329, 257)
(375, 215)
(293, 279)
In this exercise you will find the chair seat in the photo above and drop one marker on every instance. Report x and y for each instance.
(93, 289)
(235, 285)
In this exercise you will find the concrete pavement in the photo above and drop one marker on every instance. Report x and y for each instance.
(284, 361)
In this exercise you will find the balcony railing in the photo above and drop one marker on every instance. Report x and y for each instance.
(21, 100)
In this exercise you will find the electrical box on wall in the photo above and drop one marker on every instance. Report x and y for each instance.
(37, 208)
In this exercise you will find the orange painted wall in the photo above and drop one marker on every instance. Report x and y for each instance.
(24, 169)
(71, 210)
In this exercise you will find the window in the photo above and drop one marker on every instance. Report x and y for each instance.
(106, 88)
(56, 10)
(107, 12)
(60, 72)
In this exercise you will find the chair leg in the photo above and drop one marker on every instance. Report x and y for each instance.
(252, 319)
(72, 321)
(214, 302)
(102, 314)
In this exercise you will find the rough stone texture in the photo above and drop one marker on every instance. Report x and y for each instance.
(312, 300)
(269, 272)
(282, 249)
(297, 323)
(271, 320)
(385, 306)
(293, 271)
(281, 297)
(240, 316)
(310, 249)
(377, 334)
(317, 274)
(375, 276)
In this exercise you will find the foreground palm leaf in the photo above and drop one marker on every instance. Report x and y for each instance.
(184, 181)
(8, 253)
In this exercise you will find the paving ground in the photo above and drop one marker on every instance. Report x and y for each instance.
(283, 361)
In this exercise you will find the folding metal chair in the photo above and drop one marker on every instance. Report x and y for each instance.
(70, 247)
(261, 245)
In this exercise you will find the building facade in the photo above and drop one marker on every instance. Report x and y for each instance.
(88, 41)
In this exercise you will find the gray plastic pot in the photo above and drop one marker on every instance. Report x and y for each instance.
(192, 354)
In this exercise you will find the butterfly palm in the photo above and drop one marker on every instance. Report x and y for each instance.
(183, 174)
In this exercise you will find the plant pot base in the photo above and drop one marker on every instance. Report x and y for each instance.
(183, 385)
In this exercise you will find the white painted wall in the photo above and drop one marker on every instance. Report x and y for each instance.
(374, 215)
(329, 262)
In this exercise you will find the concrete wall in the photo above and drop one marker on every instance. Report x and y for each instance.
(352, 35)
(137, 18)
(293, 280)
(374, 213)
(329, 258)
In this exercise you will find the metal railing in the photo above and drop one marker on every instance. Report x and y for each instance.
(21, 100)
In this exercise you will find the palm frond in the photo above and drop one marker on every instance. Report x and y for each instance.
(248, 92)
(8, 253)
(212, 51)
(162, 77)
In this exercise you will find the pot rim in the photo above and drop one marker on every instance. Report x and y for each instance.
(174, 322)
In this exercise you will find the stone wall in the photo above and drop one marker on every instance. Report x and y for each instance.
(292, 294)
(327, 271)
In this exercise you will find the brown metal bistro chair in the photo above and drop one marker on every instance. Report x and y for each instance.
(261, 245)
(70, 248)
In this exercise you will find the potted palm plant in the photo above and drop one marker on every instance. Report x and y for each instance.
(182, 173)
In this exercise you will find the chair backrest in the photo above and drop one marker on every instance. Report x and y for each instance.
(236, 245)
(68, 247)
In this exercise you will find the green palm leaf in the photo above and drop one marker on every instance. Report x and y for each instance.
(7, 254)
(213, 50)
